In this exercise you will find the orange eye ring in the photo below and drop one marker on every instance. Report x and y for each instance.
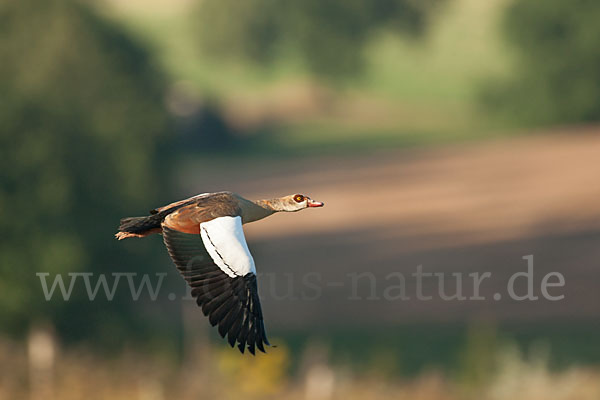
(299, 198)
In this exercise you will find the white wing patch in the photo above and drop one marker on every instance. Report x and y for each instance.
(224, 240)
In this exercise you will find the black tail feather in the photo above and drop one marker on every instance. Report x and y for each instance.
(140, 225)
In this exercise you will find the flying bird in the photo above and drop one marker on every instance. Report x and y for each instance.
(205, 239)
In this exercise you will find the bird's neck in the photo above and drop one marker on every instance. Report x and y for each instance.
(259, 209)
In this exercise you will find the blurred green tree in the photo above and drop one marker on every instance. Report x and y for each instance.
(328, 35)
(557, 48)
(81, 123)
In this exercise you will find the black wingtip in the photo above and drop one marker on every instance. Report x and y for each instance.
(231, 340)
(242, 347)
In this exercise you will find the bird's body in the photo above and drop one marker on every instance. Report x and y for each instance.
(204, 237)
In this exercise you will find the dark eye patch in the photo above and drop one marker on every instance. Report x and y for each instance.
(299, 198)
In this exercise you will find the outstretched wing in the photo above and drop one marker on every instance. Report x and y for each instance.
(220, 270)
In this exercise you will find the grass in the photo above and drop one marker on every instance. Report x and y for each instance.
(415, 348)
(171, 35)
(462, 47)
(506, 372)
(425, 91)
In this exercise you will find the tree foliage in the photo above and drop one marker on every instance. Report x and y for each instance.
(81, 121)
(328, 35)
(557, 44)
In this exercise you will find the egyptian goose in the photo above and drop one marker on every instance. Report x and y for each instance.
(204, 237)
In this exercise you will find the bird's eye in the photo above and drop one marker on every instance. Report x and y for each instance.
(298, 198)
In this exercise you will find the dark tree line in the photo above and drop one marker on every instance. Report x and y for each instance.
(329, 35)
(81, 125)
(557, 49)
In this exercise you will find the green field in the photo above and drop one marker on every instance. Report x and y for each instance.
(413, 92)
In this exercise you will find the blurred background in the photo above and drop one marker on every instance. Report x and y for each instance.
(460, 135)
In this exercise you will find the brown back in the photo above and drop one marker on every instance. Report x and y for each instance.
(187, 215)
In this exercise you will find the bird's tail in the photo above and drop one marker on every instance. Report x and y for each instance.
(139, 226)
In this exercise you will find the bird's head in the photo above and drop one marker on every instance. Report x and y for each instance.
(297, 202)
